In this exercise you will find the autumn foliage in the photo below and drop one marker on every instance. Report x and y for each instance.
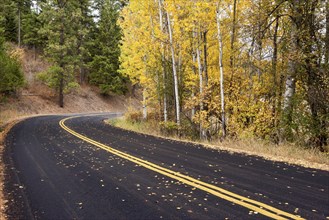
(274, 63)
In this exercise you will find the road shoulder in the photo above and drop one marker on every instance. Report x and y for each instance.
(3, 200)
(233, 147)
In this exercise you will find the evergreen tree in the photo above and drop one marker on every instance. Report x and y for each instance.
(8, 11)
(105, 63)
(11, 76)
(61, 48)
(2, 30)
(13, 11)
(85, 26)
(31, 25)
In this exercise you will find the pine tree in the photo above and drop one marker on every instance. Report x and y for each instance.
(8, 10)
(11, 75)
(105, 53)
(61, 48)
(13, 11)
(2, 30)
(85, 26)
(31, 24)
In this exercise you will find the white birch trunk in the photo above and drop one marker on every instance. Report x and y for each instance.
(220, 43)
(290, 81)
(198, 54)
(193, 109)
(289, 92)
(165, 114)
(174, 70)
(200, 78)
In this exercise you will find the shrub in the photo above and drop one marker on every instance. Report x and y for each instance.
(169, 128)
(11, 76)
(134, 116)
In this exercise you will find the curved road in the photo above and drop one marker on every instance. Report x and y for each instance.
(61, 167)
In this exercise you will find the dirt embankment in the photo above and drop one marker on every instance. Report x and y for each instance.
(37, 98)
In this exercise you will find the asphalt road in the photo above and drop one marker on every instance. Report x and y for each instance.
(81, 168)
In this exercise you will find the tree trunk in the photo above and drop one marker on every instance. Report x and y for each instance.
(200, 85)
(205, 58)
(61, 88)
(157, 72)
(34, 52)
(193, 88)
(259, 40)
(194, 71)
(61, 74)
(19, 27)
(290, 80)
(220, 43)
(289, 91)
(274, 71)
(174, 71)
(232, 54)
(165, 114)
(292, 70)
(82, 74)
(233, 36)
(327, 34)
(317, 94)
(144, 105)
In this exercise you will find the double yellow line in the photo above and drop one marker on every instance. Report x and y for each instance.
(250, 204)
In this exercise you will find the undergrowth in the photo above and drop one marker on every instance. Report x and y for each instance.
(286, 152)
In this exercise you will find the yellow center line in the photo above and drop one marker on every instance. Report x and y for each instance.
(253, 205)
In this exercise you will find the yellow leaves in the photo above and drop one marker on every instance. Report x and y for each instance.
(17, 53)
(201, 117)
(145, 44)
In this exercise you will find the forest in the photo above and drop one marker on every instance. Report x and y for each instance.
(207, 69)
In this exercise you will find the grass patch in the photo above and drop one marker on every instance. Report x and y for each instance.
(8, 114)
(7, 120)
(140, 127)
(288, 153)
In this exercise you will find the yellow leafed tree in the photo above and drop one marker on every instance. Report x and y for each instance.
(182, 52)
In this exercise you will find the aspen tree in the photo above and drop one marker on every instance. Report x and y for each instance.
(274, 71)
(233, 35)
(174, 70)
(165, 113)
(220, 45)
(198, 55)
(270, 58)
(205, 57)
(194, 54)
(290, 84)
